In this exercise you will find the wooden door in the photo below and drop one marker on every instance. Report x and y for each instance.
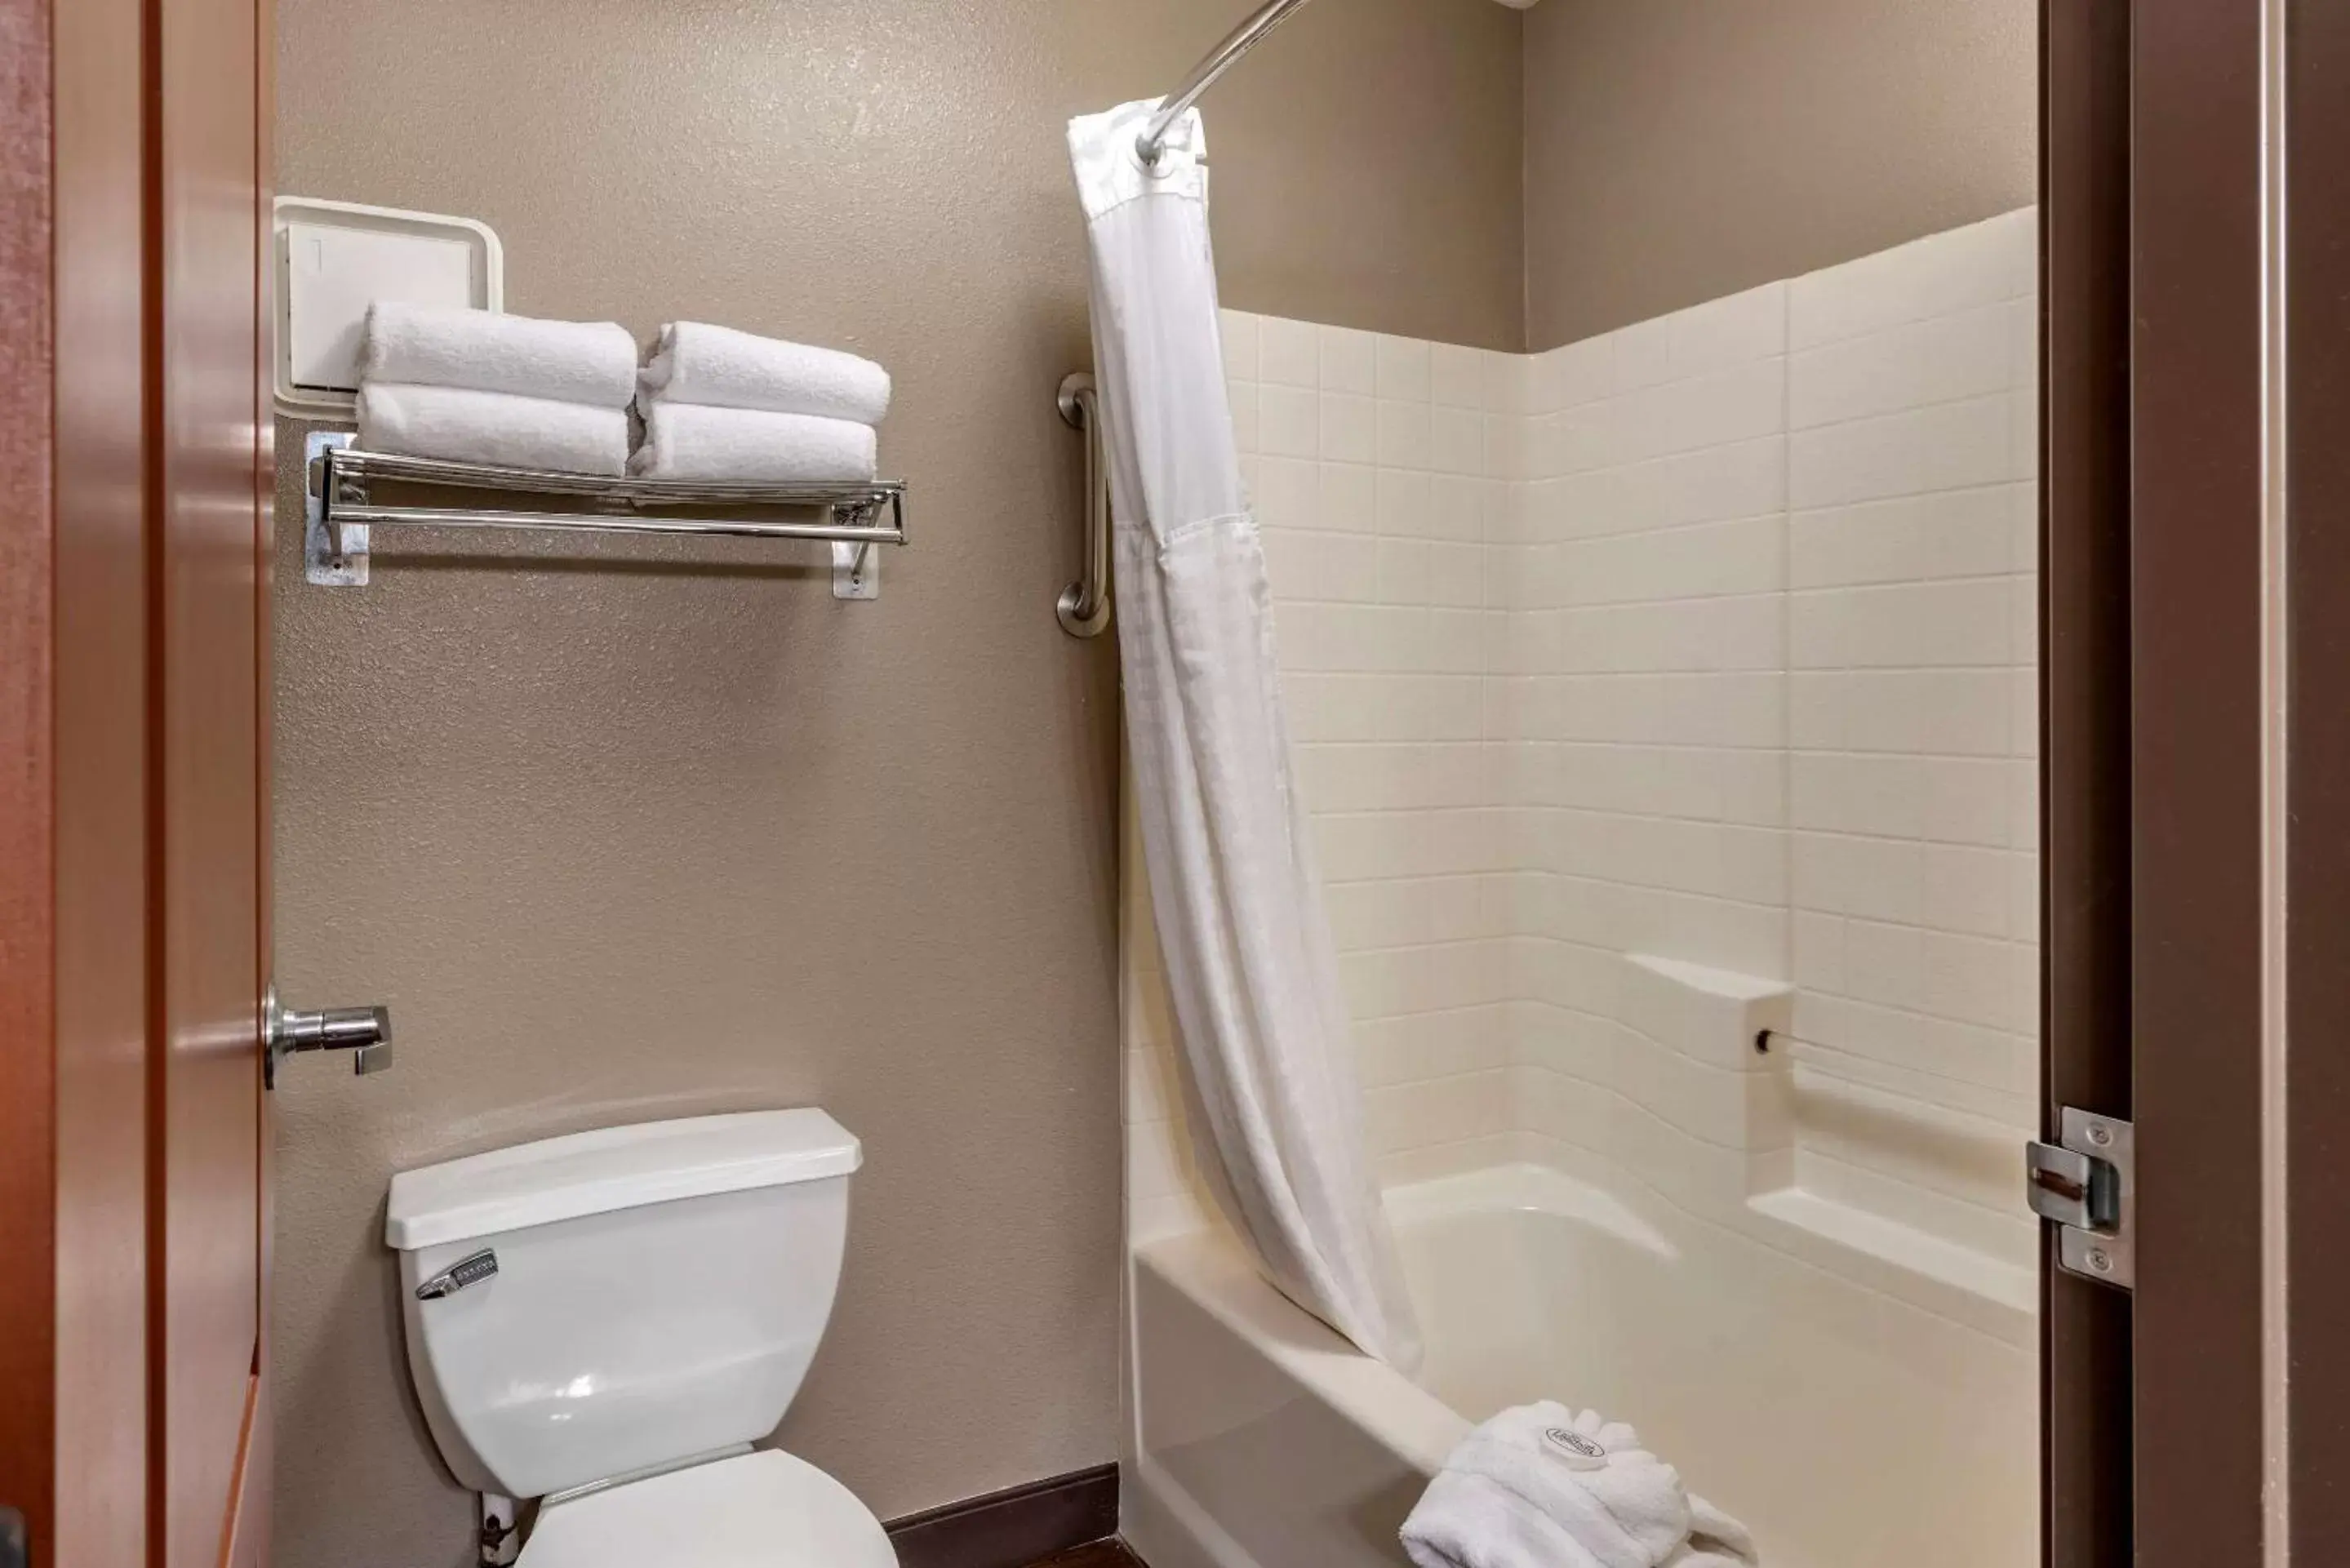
(134, 536)
(2198, 721)
(211, 794)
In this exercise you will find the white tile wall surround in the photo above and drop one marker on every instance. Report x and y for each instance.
(1379, 558)
(1711, 640)
(1913, 512)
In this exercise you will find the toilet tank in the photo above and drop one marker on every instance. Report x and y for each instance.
(657, 1292)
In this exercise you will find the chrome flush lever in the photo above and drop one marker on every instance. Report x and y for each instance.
(470, 1269)
(364, 1032)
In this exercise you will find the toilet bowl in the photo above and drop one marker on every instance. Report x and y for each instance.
(607, 1322)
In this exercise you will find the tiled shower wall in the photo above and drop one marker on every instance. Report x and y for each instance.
(1913, 724)
(1377, 466)
(1708, 640)
(1645, 693)
(1379, 472)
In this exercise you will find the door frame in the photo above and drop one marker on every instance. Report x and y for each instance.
(2198, 809)
(73, 917)
(2085, 737)
(2313, 380)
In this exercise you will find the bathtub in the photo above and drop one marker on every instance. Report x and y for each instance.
(1849, 1428)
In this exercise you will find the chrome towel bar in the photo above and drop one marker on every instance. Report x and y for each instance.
(343, 508)
(1083, 607)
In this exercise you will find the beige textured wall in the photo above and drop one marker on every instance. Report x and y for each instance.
(1366, 157)
(1678, 151)
(641, 830)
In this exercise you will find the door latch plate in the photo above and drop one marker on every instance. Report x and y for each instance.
(2085, 1184)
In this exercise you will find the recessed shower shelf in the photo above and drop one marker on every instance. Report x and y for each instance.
(343, 508)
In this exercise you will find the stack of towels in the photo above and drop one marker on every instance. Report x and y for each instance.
(475, 386)
(720, 404)
(1543, 1487)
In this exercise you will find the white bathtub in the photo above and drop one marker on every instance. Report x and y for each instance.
(1849, 1428)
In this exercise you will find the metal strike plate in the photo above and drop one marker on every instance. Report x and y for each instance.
(2085, 1185)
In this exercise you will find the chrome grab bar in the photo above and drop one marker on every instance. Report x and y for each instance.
(1083, 607)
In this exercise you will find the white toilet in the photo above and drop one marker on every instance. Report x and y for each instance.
(607, 1322)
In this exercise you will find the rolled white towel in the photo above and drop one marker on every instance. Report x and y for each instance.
(1541, 1487)
(592, 362)
(695, 362)
(1715, 1540)
(462, 425)
(690, 441)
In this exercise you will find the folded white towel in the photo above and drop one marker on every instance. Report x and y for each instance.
(1540, 1486)
(698, 363)
(689, 441)
(497, 428)
(592, 362)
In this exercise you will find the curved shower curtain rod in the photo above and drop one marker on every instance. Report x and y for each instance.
(1244, 37)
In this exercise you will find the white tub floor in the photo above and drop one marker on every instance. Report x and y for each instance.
(1847, 1428)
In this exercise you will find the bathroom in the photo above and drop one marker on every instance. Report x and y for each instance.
(865, 855)
(1644, 410)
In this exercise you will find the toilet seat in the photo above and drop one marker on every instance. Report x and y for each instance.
(760, 1509)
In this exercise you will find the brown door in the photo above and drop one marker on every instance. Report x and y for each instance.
(134, 539)
(2197, 571)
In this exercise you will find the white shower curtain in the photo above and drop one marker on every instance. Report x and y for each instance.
(1250, 965)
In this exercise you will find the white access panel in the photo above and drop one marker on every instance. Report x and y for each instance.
(335, 258)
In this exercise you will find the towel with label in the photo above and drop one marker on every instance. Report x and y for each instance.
(1541, 1486)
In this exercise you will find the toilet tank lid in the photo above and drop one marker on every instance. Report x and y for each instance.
(613, 1168)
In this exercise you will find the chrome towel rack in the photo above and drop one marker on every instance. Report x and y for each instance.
(1084, 606)
(343, 508)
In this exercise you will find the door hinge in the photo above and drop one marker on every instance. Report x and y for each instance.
(2085, 1183)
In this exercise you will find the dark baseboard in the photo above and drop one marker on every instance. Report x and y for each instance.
(1014, 1528)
